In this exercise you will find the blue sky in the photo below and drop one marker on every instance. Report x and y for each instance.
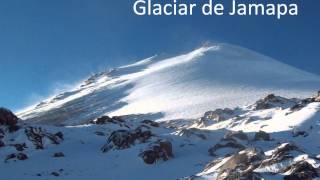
(47, 44)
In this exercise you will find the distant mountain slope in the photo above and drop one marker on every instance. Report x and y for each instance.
(180, 87)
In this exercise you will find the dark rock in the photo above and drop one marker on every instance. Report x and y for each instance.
(192, 132)
(1, 133)
(281, 153)
(58, 154)
(166, 147)
(231, 174)
(149, 156)
(160, 150)
(123, 139)
(2, 144)
(143, 136)
(19, 156)
(263, 104)
(297, 107)
(231, 144)
(266, 102)
(55, 174)
(228, 174)
(107, 119)
(218, 115)
(303, 103)
(36, 135)
(262, 136)
(300, 133)
(13, 128)
(272, 101)
(241, 165)
(22, 156)
(212, 163)
(236, 140)
(10, 156)
(301, 171)
(7, 117)
(151, 123)
(244, 158)
(59, 135)
(236, 134)
(54, 138)
(317, 97)
(20, 147)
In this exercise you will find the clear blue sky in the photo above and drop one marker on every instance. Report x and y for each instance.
(46, 43)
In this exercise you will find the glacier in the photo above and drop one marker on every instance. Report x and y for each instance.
(180, 87)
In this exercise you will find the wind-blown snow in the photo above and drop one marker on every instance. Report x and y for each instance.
(175, 91)
(180, 87)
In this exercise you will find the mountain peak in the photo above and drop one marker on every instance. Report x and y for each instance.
(183, 86)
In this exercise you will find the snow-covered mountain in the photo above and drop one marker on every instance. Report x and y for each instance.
(180, 87)
(205, 114)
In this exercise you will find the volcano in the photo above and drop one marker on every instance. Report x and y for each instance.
(217, 112)
(179, 87)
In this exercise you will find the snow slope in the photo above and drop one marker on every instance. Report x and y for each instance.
(83, 158)
(180, 87)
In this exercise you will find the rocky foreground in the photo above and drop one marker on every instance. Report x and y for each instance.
(274, 138)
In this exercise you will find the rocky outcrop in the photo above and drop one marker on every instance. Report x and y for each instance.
(272, 101)
(218, 115)
(18, 138)
(8, 124)
(7, 117)
(123, 139)
(245, 164)
(234, 140)
(107, 119)
(9, 120)
(159, 150)
(16, 156)
(297, 133)
(241, 165)
(283, 152)
(55, 174)
(192, 132)
(301, 170)
(2, 133)
(2, 144)
(37, 136)
(317, 97)
(151, 123)
(58, 154)
(262, 136)
(227, 144)
(231, 174)
(246, 160)
(236, 135)
(20, 147)
(304, 102)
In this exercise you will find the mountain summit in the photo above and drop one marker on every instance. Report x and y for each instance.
(180, 87)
